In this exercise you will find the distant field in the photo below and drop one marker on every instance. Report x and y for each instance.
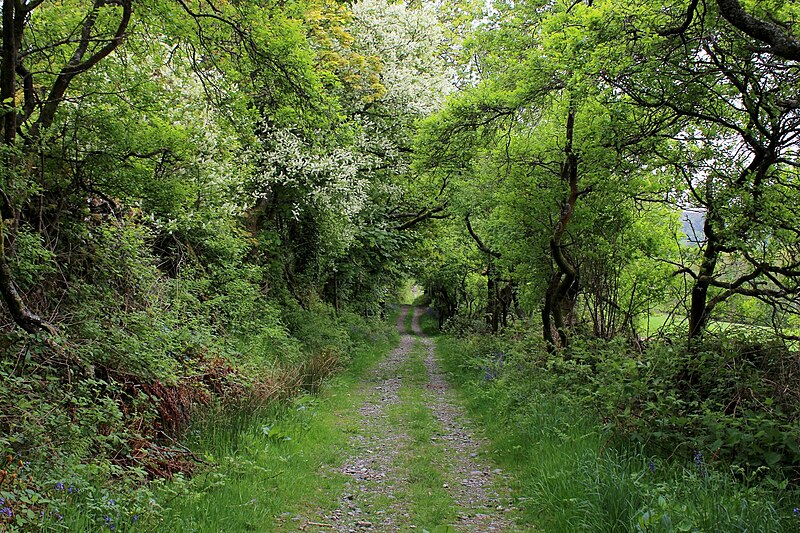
(655, 322)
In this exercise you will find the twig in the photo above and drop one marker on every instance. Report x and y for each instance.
(186, 450)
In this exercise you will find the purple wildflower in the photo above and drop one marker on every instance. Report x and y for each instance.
(698, 461)
(59, 486)
(7, 511)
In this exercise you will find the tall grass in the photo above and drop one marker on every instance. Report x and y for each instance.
(265, 464)
(268, 462)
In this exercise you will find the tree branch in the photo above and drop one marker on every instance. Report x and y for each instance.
(423, 215)
(77, 64)
(679, 30)
(483, 248)
(781, 42)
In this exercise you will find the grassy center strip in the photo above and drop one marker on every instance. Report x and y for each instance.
(425, 496)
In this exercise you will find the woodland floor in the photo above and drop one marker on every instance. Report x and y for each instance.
(415, 459)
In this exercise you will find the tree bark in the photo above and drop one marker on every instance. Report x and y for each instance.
(698, 311)
(8, 75)
(547, 312)
(492, 306)
(781, 42)
(563, 286)
(13, 18)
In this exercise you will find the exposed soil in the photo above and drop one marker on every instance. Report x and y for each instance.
(370, 501)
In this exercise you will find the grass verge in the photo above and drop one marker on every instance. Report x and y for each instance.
(569, 478)
(267, 463)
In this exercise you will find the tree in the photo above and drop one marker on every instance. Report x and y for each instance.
(97, 34)
(734, 150)
(561, 149)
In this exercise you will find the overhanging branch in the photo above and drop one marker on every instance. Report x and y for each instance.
(781, 42)
(481, 245)
(425, 214)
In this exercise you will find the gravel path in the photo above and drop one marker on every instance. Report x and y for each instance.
(477, 491)
(370, 501)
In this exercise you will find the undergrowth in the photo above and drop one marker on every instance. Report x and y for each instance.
(91, 421)
(263, 464)
(577, 470)
(252, 460)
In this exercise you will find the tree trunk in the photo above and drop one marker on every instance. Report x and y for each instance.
(336, 291)
(699, 309)
(22, 316)
(548, 310)
(12, 29)
(506, 297)
(493, 297)
(563, 287)
(492, 303)
(8, 76)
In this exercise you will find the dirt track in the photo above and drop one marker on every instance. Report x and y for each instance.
(373, 498)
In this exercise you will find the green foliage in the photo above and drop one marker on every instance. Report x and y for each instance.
(60, 444)
(574, 472)
(273, 453)
(32, 261)
(207, 215)
(730, 407)
(721, 401)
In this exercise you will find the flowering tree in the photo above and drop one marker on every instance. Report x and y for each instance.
(343, 186)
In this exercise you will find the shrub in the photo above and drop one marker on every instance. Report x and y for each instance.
(461, 326)
(733, 398)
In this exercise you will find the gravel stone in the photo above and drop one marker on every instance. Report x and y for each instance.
(481, 492)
